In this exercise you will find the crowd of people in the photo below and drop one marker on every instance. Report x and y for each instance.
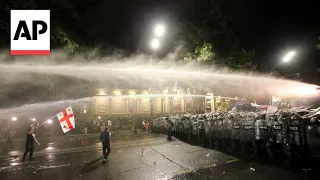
(284, 132)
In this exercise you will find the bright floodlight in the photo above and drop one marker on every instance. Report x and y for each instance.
(289, 56)
(14, 118)
(33, 119)
(49, 121)
(155, 44)
(159, 30)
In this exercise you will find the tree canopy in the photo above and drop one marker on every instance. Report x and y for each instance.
(205, 30)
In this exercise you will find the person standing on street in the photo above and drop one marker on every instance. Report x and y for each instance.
(9, 138)
(110, 125)
(105, 139)
(170, 129)
(30, 140)
(85, 129)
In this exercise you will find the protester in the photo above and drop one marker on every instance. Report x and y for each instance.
(31, 138)
(110, 124)
(147, 126)
(144, 125)
(85, 129)
(105, 139)
(9, 138)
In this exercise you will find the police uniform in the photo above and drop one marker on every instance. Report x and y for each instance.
(207, 130)
(295, 136)
(236, 132)
(227, 130)
(201, 121)
(218, 131)
(262, 134)
(248, 135)
(195, 130)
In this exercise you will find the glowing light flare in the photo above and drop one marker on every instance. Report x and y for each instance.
(132, 93)
(14, 118)
(288, 57)
(33, 119)
(155, 43)
(14, 164)
(49, 148)
(102, 92)
(117, 93)
(159, 30)
(99, 117)
(49, 121)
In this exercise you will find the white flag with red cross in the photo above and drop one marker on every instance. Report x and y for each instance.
(66, 119)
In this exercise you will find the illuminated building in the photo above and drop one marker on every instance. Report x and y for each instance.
(133, 101)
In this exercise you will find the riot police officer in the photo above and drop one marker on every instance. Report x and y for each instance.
(295, 136)
(278, 141)
(207, 130)
(262, 135)
(248, 133)
(218, 125)
(201, 136)
(227, 130)
(236, 132)
(195, 130)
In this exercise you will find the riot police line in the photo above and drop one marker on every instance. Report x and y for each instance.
(288, 133)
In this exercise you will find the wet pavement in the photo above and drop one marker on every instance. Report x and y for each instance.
(146, 156)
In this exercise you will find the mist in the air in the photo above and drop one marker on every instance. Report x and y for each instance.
(28, 80)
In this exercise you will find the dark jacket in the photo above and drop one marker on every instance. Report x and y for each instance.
(105, 137)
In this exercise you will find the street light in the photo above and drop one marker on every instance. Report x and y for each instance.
(155, 44)
(14, 118)
(159, 30)
(289, 56)
(285, 59)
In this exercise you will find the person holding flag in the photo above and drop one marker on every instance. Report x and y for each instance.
(30, 140)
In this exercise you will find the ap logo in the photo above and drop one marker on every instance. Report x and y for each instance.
(30, 32)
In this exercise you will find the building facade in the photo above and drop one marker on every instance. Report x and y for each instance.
(131, 101)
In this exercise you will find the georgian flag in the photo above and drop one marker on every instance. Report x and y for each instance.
(66, 119)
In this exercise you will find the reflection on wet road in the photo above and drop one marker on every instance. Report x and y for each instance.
(144, 157)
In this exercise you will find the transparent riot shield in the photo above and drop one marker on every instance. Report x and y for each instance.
(248, 134)
(227, 130)
(312, 136)
(295, 136)
(236, 132)
(262, 134)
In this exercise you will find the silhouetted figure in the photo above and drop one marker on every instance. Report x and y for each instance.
(105, 139)
(31, 139)
(170, 130)
(9, 138)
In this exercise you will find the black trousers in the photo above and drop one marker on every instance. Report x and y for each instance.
(105, 147)
(29, 148)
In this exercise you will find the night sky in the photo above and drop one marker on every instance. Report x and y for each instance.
(271, 27)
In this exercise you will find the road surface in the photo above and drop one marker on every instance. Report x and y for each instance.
(147, 156)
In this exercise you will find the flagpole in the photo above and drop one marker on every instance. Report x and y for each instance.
(45, 122)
